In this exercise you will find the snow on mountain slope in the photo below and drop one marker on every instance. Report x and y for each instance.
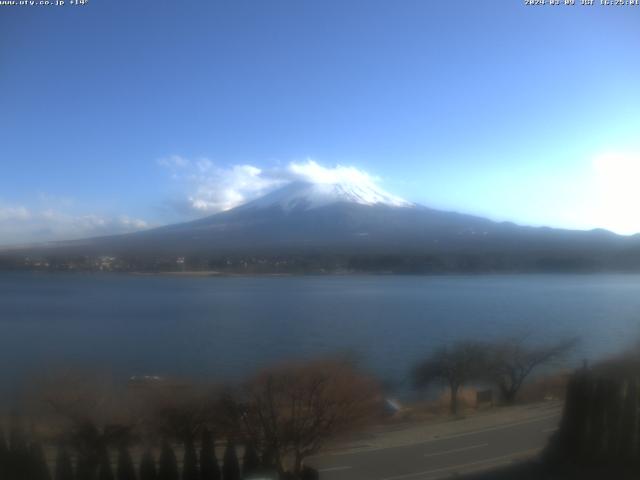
(307, 196)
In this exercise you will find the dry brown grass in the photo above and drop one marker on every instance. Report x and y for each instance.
(550, 387)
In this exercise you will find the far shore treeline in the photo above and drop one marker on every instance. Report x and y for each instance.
(325, 263)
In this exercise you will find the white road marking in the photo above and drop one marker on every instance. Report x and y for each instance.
(498, 427)
(456, 450)
(489, 461)
(333, 469)
(444, 437)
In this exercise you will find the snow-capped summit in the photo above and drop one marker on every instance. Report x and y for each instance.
(306, 196)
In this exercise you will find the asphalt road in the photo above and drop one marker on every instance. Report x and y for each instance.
(443, 457)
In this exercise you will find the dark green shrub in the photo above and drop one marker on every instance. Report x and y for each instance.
(4, 455)
(209, 469)
(309, 473)
(125, 469)
(230, 464)
(250, 460)
(190, 462)
(38, 468)
(168, 467)
(148, 466)
(64, 468)
(18, 461)
(85, 466)
(105, 472)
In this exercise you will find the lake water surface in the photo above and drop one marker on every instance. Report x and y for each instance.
(227, 327)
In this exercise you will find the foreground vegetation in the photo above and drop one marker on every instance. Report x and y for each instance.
(86, 427)
(158, 429)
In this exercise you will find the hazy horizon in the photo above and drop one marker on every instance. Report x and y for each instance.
(109, 228)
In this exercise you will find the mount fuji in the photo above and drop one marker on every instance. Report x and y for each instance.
(350, 226)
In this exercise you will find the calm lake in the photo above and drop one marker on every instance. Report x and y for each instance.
(227, 327)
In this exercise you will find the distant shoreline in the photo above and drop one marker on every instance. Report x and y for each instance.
(223, 274)
(207, 273)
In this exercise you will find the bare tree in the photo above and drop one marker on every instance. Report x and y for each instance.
(289, 412)
(175, 409)
(79, 397)
(454, 366)
(179, 415)
(86, 409)
(511, 361)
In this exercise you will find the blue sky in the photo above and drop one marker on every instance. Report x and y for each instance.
(122, 114)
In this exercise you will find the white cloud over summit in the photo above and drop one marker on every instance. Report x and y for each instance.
(312, 172)
(211, 189)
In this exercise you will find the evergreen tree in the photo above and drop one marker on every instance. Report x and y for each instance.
(250, 460)
(268, 458)
(230, 464)
(125, 469)
(190, 462)
(168, 468)
(18, 459)
(105, 472)
(17, 439)
(209, 469)
(85, 466)
(309, 473)
(64, 469)
(38, 463)
(4, 455)
(148, 466)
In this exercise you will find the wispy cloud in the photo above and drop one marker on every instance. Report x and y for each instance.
(209, 188)
(14, 213)
(20, 224)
